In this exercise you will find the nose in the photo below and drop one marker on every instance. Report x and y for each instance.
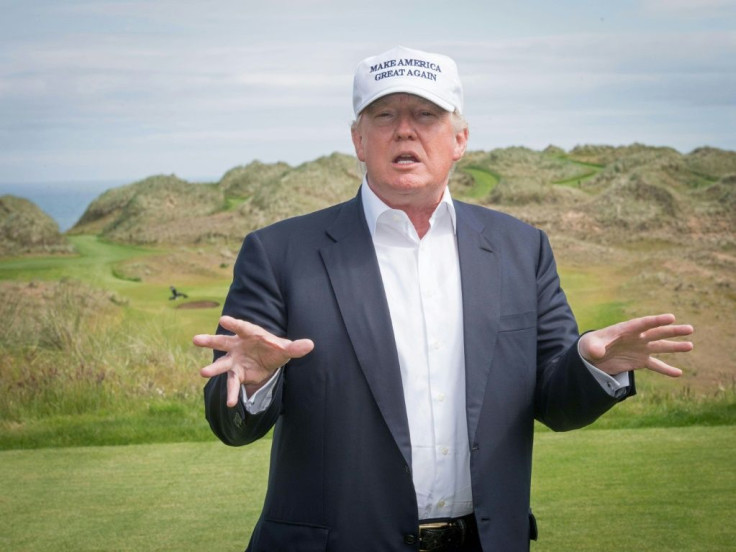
(405, 127)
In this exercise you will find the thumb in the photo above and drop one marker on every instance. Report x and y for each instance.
(299, 348)
(591, 347)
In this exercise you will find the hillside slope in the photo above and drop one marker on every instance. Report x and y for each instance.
(601, 193)
(168, 210)
(25, 228)
(149, 211)
(617, 194)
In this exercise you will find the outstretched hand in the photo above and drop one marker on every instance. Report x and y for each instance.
(252, 355)
(630, 345)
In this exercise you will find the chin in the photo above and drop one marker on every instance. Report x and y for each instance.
(409, 182)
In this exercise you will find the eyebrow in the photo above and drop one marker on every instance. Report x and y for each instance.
(381, 102)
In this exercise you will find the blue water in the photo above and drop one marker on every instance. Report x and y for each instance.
(65, 202)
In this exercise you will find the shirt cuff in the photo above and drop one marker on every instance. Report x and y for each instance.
(615, 386)
(261, 399)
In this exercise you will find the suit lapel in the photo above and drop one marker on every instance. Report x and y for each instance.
(353, 271)
(481, 285)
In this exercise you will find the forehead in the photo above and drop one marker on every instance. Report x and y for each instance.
(402, 98)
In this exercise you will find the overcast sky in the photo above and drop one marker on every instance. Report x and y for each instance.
(106, 89)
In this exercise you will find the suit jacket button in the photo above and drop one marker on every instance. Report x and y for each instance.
(410, 538)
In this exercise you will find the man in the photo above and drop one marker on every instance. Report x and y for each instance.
(403, 343)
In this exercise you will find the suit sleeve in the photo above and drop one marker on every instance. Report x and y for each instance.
(567, 395)
(254, 296)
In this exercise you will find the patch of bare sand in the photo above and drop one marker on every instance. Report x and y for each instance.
(198, 305)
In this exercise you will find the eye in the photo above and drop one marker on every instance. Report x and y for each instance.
(384, 116)
(426, 115)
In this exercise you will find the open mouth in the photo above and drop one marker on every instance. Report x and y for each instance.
(406, 159)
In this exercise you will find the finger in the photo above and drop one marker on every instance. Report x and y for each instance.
(220, 366)
(663, 346)
(202, 340)
(667, 332)
(246, 332)
(233, 388)
(646, 323)
(216, 342)
(657, 365)
(241, 327)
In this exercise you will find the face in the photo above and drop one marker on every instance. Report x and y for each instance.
(409, 146)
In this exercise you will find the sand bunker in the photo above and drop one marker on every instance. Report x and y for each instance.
(199, 305)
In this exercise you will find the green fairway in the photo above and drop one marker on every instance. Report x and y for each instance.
(96, 264)
(485, 181)
(642, 490)
(650, 489)
(587, 172)
(593, 294)
(93, 263)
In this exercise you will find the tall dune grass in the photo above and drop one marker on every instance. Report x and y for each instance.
(70, 349)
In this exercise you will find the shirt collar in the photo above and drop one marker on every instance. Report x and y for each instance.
(374, 207)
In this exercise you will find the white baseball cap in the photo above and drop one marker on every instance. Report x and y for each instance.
(434, 77)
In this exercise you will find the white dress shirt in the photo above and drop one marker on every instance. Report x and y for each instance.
(421, 278)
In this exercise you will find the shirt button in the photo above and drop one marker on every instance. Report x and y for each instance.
(410, 539)
(440, 397)
(445, 450)
(441, 504)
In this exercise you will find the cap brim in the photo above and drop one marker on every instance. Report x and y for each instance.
(416, 91)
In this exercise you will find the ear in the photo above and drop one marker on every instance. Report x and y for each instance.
(358, 142)
(461, 142)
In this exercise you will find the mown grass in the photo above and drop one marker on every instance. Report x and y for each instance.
(588, 171)
(484, 182)
(593, 296)
(94, 262)
(232, 203)
(136, 422)
(647, 489)
(131, 498)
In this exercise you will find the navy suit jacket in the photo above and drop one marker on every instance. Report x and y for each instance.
(340, 476)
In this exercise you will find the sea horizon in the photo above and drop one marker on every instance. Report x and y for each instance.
(63, 201)
(66, 201)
